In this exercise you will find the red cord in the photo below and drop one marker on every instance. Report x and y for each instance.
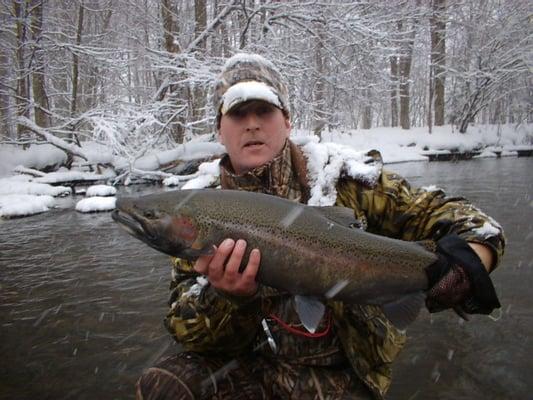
(301, 332)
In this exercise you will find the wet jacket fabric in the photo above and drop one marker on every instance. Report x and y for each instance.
(205, 320)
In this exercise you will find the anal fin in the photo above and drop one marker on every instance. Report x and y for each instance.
(404, 311)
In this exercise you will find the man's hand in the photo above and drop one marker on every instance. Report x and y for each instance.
(222, 268)
(459, 279)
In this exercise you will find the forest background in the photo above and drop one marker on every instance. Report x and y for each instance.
(136, 75)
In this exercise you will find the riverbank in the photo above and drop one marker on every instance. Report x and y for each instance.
(31, 179)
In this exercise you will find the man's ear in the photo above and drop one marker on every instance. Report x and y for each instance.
(220, 138)
(288, 125)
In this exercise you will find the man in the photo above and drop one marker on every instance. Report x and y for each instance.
(245, 341)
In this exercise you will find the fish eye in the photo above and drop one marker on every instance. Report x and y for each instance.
(149, 214)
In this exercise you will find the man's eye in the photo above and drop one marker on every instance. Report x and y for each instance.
(238, 114)
(264, 110)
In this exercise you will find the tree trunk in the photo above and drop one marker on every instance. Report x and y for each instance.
(198, 95)
(220, 39)
(438, 58)
(430, 99)
(174, 92)
(405, 61)
(394, 90)
(262, 21)
(22, 95)
(40, 98)
(169, 26)
(6, 130)
(319, 92)
(405, 99)
(367, 111)
(200, 18)
(75, 63)
(243, 26)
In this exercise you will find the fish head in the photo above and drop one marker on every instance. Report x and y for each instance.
(158, 224)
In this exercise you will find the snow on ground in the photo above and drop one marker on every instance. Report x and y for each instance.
(19, 205)
(19, 196)
(192, 150)
(100, 190)
(97, 203)
(399, 145)
(22, 184)
(65, 175)
(486, 154)
(34, 157)
(23, 195)
(206, 176)
(32, 192)
(395, 145)
(97, 153)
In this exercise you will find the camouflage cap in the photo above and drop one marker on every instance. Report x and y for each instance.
(248, 77)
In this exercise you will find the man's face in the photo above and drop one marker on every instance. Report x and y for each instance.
(253, 134)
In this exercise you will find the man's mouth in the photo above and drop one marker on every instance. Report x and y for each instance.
(253, 143)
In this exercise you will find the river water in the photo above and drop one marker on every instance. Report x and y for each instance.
(82, 303)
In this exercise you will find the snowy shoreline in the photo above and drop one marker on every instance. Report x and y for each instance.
(26, 190)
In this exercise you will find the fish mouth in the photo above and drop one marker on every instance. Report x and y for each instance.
(134, 225)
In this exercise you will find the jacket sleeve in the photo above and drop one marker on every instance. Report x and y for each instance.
(204, 320)
(392, 208)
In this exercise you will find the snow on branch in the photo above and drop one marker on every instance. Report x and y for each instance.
(214, 23)
(52, 139)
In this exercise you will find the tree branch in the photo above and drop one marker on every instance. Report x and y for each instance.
(52, 139)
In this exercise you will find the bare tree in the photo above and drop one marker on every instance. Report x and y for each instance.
(407, 30)
(490, 62)
(319, 89)
(394, 90)
(40, 98)
(197, 94)
(20, 13)
(75, 62)
(140, 77)
(438, 62)
(6, 89)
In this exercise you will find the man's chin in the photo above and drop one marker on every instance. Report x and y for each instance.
(253, 162)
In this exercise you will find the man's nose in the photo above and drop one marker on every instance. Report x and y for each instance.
(252, 122)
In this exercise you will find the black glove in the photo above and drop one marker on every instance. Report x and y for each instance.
(459, 280)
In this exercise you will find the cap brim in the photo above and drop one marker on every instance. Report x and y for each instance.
(243, 92)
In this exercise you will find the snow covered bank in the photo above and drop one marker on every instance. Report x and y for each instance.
(19, 196)
(95, 204)
(192, 150)
(101, 190)
(99, 198)
(31, 192)
(38, 157)
(21, 205)
(22, 184)
(23, 195)
(399, 145)
(65, 175)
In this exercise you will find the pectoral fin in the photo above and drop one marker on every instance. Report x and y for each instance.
(404, 311)
(310, 310)
(193, 254)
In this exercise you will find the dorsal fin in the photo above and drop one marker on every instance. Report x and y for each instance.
(341, 215)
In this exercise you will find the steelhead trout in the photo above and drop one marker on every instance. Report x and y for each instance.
(306, 251)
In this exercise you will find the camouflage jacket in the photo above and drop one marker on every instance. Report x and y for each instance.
(204, 320)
